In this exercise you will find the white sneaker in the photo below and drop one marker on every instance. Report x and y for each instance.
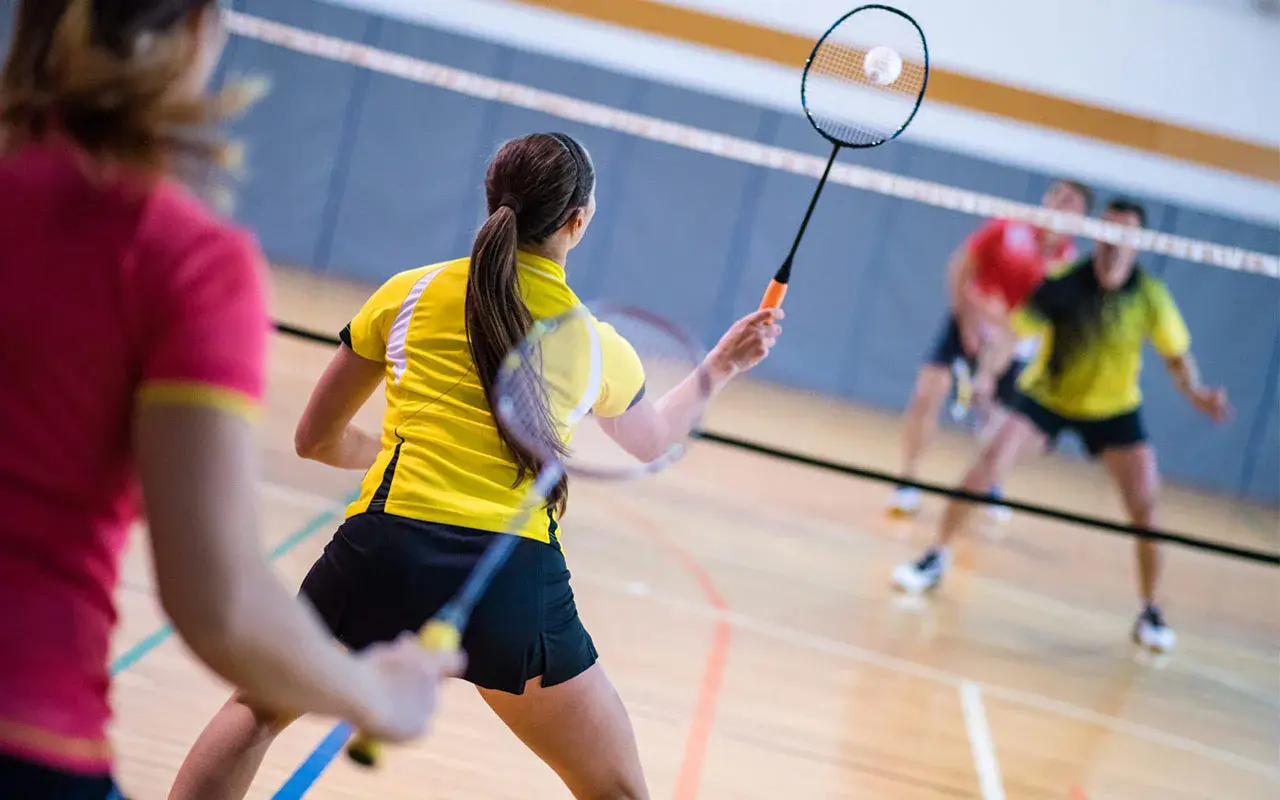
(916, 577)
(1001, 514)
(905, 502)
(1150, 632)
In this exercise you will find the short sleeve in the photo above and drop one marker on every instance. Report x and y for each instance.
(1168, 332)
(369, 329)
(209, 342)
(623, 380)
(985, 241)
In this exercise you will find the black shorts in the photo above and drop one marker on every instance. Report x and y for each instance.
(382, 575)
(1098, 435)
(948, 348)
(30, 781)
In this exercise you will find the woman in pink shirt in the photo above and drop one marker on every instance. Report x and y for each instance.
(132, 343)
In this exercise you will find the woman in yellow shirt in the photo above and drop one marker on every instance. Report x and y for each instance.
(1093, 319)
(443, 478)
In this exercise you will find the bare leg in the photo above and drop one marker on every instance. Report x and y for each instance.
(581, 730)
(1015, 436)
(224, 760)
(1138, 479)
(932, 385)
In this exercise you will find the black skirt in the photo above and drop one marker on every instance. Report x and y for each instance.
(382, 575)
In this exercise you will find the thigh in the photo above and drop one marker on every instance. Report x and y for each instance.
(31, 781)
(1015, 436)
(580, 728)
(1137, 477)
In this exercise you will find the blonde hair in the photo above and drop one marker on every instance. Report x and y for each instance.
(107, 74)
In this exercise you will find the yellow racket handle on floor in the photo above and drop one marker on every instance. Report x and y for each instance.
(437, 636)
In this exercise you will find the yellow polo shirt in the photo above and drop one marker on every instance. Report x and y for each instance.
(442, 459)
(1103, 379)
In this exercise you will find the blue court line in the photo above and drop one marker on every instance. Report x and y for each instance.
(137, 652)
(310, 770)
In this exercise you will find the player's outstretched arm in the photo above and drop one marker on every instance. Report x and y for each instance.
(1209, 401)
(650, 428)
(198, 470)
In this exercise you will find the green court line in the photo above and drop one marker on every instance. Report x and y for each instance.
(141, 649)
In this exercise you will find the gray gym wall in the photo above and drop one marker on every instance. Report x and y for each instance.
(361, 175)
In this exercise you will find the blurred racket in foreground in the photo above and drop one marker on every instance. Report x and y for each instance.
(546, 393)
(862, 86)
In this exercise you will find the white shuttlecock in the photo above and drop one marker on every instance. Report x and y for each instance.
(883, 65)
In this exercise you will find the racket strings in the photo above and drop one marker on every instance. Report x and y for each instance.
(574, 364)
(847, 102)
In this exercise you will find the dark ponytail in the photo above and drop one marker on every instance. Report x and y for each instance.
(534, 186)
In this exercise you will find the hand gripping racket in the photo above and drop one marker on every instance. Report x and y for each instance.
(546, 391)
(862, 86)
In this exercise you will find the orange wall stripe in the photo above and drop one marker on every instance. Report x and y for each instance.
(953, 88)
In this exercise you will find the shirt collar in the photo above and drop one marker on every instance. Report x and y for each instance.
(540, 265)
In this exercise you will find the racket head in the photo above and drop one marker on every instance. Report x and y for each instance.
(840, 96)
(552, 386)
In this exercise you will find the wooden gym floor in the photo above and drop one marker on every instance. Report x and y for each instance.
(742, 606)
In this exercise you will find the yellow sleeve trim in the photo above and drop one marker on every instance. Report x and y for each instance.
(181, 393)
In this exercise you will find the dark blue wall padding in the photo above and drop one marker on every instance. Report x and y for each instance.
(364, 175)
(412, 185)
(1234, 321)
(293, 135)
(1262, 465)
(7, 8)
(674, 227)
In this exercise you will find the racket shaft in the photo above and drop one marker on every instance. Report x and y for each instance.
(778, 287)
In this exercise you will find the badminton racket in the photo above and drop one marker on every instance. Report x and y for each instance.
(549, 397)
(862, 86)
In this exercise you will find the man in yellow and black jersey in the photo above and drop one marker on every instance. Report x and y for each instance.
(1093, 320)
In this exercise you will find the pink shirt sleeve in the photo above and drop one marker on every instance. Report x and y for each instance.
(208, 344)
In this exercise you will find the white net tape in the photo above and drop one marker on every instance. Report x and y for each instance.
(742, 150)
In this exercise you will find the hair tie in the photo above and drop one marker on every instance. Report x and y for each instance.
(510, 201)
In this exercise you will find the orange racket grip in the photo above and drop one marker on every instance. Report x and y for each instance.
(773, 295)
(436, 636)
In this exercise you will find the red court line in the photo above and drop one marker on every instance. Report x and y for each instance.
(689, 778)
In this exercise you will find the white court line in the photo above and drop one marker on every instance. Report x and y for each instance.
(980, 744)
(904, 667)
(834, 647)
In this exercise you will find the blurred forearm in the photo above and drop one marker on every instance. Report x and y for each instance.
(351, 449)
(1185, 374)
(198, 472)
